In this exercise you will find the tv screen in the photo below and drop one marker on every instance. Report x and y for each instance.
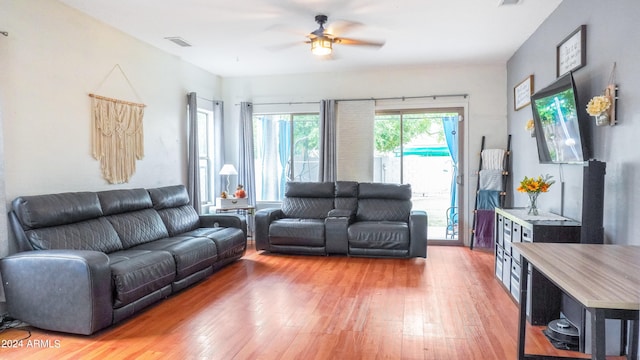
(559, 132)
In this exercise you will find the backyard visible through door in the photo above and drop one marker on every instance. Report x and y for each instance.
(420, 147)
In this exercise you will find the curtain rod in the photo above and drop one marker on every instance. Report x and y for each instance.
(403, 98)
(211, 100)
(286, 103)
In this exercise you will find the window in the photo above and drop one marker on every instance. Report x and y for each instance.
(286, 148)
(205, 151)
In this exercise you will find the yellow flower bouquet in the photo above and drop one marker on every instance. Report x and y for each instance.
(598, 104)
(533, 187)
(536, 185)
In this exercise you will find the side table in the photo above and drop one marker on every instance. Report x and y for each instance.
(248, 211)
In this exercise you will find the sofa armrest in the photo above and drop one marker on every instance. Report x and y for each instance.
(60, 290)
(418, 233)
(263, 219)
(341, 213)
(335, 227)
(224, 220)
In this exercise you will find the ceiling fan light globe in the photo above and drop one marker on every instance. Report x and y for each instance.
(321, 46)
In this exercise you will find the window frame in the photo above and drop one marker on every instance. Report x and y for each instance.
(290, 165)
(206, 140)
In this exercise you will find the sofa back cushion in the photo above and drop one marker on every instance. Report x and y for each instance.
(94, 234)
(124, 200)
(346, 196)
(308, 200)
(131, 213)
(383, 202)
(169, 196)
(65, 221)
(172, 204)
(138, 227)
(56, 209)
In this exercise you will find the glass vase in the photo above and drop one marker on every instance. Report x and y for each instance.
(602, 119)
(533, 203)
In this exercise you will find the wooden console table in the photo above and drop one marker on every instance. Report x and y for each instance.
(605, 279)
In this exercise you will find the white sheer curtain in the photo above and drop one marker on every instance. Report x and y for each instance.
(327, 166)
(193, 168)
(246, 162)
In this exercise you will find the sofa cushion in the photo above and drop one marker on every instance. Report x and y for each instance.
(302, 232)
(230, 242)
(310, 189)
(124, 200)
(190, 254)
(387, 235)
(384, 191)
(137, 273)
(307, 208)
(346, 195)
(95, 234)
(138, 227)
(383, 209)
(56, 209)
(180, 219)
(169, 196)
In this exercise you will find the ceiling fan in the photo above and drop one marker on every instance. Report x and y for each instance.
(322, 40)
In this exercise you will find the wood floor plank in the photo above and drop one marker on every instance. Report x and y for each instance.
(448, 306)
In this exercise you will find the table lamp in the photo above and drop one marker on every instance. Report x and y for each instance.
(228, 169)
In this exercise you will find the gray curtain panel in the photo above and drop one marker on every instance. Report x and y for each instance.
(218, 143)
(193, 170)
(327, 166)
(246, 161)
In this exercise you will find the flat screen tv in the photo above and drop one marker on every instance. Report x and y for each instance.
(559, 126)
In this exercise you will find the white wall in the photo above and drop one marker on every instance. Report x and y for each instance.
(486, 104)
(52, 59)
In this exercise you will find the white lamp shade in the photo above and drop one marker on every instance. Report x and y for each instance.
(228, 169)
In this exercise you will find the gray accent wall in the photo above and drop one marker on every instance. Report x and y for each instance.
(612, 37)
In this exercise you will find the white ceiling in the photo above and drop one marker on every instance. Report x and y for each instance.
(238, 37)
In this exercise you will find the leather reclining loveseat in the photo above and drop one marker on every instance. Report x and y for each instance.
(344, 218)
(92, 259)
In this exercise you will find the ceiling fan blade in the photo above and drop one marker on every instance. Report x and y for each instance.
(340, 27)
(347, 41)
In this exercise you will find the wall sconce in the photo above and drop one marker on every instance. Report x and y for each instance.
(227, 170)
(603, 107)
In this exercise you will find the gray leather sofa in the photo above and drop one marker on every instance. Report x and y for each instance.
(344, 218)
(92, 259)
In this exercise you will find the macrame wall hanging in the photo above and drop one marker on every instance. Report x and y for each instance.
(117, 136)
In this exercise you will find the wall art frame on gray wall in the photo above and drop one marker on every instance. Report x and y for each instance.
(571, 53)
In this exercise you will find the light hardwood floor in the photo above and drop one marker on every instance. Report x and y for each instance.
(448, 306)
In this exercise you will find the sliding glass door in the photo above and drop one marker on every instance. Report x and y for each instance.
(420, 147)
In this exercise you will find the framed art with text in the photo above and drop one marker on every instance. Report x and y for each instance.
(571, 53)
(522, 93)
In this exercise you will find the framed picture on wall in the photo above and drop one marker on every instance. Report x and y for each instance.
(571, 53)
(522, 93)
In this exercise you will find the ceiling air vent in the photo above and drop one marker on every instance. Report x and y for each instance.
(178, 41)
(509, 2)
